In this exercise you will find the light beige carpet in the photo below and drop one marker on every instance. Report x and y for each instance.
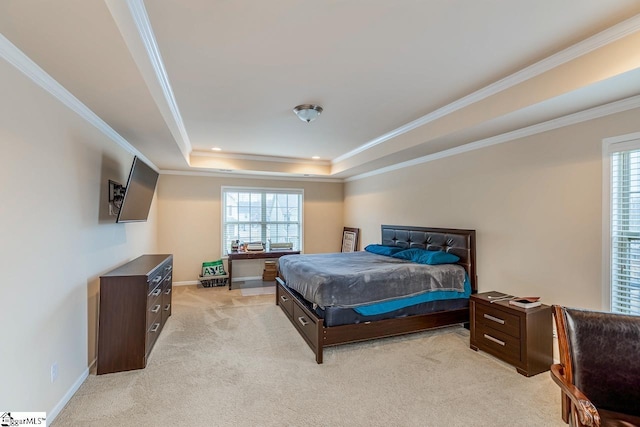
(269, 288)
(225, 359)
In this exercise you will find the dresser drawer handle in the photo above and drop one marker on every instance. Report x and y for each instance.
(283, 298)
(168, 279)
(157, 279)
(495, 340)
(303, 321)
(167, 292)
(167, 307)
(495, 319)
(155, 327)
(156, 308)
(156, 292)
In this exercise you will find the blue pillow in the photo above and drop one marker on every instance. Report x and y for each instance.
(422, 256)
(410, 254)
(383, 250)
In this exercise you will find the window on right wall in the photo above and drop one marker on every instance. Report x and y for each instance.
(622, 167)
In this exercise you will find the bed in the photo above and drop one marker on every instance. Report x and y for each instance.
(324, 319)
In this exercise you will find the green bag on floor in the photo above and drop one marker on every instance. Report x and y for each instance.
(213, 268)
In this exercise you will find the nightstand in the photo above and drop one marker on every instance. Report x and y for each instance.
(521, 337)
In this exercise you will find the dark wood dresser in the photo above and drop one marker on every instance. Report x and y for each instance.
(521, 337)
(135, 303)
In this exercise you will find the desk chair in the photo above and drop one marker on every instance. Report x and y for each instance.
(599, 370)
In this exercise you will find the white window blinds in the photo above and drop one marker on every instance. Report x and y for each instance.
(264, 215)
(625, 231)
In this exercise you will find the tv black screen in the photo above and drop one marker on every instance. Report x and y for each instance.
(139, 193)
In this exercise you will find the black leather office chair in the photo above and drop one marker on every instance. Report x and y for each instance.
(599, 370)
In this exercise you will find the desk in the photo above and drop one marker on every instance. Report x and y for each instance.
(237, 256)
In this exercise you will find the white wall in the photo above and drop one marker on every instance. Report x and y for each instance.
(536, 204)
(56, 239)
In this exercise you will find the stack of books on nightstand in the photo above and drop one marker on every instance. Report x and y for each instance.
(270, 271)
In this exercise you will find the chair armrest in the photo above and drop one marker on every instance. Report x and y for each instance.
(586, 411)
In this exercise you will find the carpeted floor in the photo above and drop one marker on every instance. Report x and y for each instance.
(224, 359)
(248, 289)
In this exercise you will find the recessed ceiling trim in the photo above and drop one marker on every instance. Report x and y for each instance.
(244, 175)
(583, 47)
(154, 72)
(31, 70)
(260, 158)
(571, 119)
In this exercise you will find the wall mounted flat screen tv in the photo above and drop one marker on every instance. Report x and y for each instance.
(138, 193)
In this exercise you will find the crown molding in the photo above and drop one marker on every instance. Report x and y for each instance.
(141, 19)
(251, 175)
(583, 47)
(135, 27)
(259, 158)
(31, 70)
(571, 119)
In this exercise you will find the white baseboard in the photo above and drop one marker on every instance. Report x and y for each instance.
(186, 282)
(52, 414)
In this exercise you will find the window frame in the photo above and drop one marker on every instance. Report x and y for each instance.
(263, 191)
(610, 146)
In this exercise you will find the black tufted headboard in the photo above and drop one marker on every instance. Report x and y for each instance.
(458, 242)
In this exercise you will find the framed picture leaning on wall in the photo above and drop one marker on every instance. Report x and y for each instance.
(350, 239)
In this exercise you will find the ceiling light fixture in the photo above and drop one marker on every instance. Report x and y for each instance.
(217, 149)
(307, 112)
(316, 157)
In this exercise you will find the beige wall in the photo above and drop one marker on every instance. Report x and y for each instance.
(189, 220)
(536, 204)
(56, 239)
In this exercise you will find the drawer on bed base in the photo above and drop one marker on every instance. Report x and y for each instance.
(307, 325)
(285, 301)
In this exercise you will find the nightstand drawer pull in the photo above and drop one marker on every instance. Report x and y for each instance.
(283, 298)
(495, 340)
(303, 321)
(156, 308)
(495, 319)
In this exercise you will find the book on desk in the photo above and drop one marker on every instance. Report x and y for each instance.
(280, 246)
(254, 247)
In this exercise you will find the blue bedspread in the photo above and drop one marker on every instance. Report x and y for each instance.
(388, 306)
(354, 279)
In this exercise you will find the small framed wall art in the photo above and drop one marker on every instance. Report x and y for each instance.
(350, 239)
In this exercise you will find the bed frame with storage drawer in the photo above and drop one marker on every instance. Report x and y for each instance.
(311, 326)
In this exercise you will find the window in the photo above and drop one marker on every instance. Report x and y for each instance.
(261, 215)
(624, 228)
